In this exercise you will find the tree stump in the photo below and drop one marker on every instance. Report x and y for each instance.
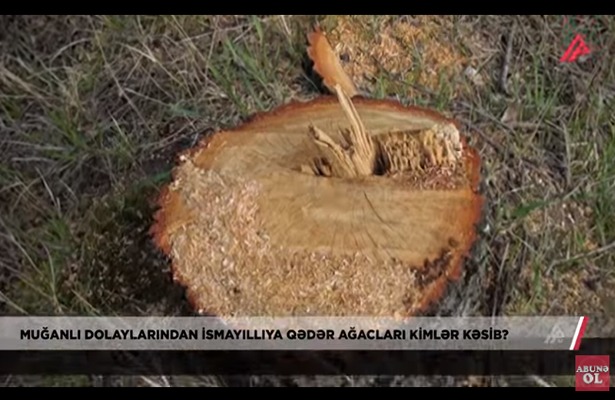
(334, 207)
(341, 206)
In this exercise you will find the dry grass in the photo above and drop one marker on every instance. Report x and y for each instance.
(93, 108)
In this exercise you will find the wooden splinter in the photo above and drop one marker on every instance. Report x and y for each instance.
(359, 159)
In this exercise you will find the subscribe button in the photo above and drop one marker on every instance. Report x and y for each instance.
(592, 373)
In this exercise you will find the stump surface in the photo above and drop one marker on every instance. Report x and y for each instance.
(252, 232)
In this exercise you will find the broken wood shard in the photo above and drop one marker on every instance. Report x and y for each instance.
(327, 65)
(340, 162)
(359, 159)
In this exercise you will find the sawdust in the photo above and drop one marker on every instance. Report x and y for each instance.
(413, 48)
(230, 264)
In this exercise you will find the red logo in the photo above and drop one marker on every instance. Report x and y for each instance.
(576, 49)
(592, 373)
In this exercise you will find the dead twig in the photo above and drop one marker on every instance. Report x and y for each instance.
(539, 381)
(507, 58)
(591, 253)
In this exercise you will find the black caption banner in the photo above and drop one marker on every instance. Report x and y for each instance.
(300, 362)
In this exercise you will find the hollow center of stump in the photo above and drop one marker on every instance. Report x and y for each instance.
(431, 155)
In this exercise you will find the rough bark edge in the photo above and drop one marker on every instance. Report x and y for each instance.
(473, 217)
(169, 203)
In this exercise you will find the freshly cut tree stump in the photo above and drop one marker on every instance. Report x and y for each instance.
(334, 207)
